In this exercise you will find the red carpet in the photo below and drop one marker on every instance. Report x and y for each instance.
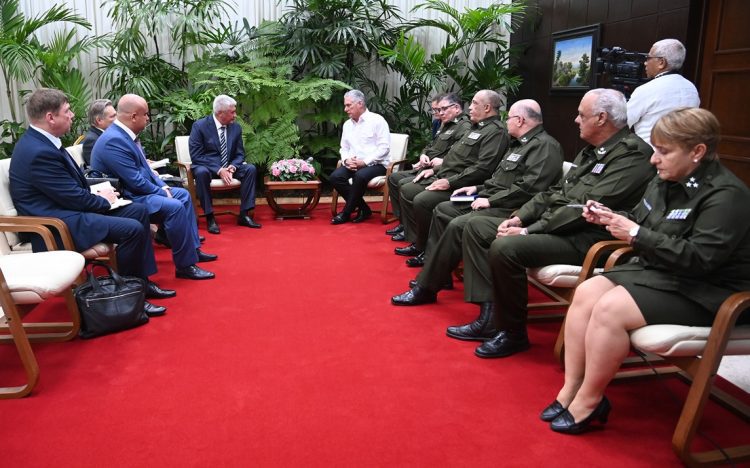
(294, 356)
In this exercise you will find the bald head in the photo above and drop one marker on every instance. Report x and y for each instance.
(132, 111)
(485, 103)
(523, 116)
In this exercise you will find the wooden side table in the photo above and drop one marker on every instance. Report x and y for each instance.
(309, 191)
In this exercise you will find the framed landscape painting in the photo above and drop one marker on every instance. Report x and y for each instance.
(573, 53)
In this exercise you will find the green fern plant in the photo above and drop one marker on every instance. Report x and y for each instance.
(269, 102)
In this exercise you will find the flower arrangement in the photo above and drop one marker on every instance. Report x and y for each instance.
(293, 169)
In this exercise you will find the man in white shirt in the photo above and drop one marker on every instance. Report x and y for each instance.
(666, 91)
(365, 147)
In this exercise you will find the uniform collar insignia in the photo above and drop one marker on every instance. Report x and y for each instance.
(692, 183)
(524, 139)
(481, 124)
(602, 150)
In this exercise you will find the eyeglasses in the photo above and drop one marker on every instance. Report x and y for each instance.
(440, 110)
(507, 119)
(649, 57)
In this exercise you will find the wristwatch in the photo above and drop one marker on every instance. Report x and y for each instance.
(634, 231)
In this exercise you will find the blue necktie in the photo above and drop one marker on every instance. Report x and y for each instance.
(223, 143)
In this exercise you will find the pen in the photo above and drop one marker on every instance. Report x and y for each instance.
(575, 205)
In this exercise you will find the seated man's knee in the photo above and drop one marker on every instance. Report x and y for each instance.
(201, 173)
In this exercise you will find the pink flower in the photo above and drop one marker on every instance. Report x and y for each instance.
(275, 171)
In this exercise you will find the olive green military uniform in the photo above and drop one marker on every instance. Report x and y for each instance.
(531, 164)
(449, 133)
(615, 174)
(693, 244)
(470, 161)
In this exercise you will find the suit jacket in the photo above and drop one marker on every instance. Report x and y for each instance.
(45, 181)
(205, 149)
(89, 139)
(116, 154)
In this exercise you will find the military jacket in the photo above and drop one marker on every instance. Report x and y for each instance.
(694, 236)
(615, 174)
(449, 133)
(531, 164)
(474, 157)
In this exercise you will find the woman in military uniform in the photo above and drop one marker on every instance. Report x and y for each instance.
(691, 233)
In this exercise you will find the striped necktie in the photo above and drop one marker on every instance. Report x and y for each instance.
(223, 143)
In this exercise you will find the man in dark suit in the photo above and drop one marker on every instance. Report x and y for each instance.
(45, 181)
(217, 152)
(118, 153)
(101, 115)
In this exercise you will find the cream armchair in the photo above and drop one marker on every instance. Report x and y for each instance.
(27, 279)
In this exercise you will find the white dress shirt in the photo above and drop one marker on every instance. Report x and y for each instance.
(662, 94)
(369, 139)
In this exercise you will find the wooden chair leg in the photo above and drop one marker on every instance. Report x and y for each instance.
(334, 202)
(13, 323)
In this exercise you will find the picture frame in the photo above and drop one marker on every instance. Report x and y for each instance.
(574, 51)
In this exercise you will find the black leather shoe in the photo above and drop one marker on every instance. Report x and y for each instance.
(415, 296)
(362, 215)
(448, 285)
(161, 237)
(410, 250)
(416, 262)
(205, 257)
(552, 411)
(193, 272)
(399, 237)
(213, 226)
(566, 423)
(504, 344)
(395, 230)
(201, 239)
(153, 291)
(340, 218)
(153, 310)
(247, 221)
(481, 329)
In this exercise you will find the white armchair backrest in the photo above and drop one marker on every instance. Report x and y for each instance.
(7, 239)
(182, 150)
(399, 142)
(76, 151)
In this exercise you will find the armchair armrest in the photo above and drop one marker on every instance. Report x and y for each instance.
(33, 221)
(594, 255)
(42, 230)
(392, 166)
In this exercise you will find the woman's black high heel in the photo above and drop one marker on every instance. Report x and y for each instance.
(552, 411)
(567, 424)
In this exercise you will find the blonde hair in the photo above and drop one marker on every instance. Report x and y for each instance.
(688, 127)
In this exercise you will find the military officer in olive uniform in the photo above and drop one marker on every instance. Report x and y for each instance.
(454, 125)
(612, 169)
(532, 163)
(469, 162)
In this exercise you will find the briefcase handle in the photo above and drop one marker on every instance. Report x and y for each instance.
(94, 283)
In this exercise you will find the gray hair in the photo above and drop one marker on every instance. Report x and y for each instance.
(613, 103)
(223, 102)
(356, 95)
(453, 98)
(96, 110)
(672, 51)
(493, 99)
(44, 100)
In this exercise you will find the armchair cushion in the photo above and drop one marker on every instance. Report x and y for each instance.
(558, 276)
(30, 280)
(680, 340)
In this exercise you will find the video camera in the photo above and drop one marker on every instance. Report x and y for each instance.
(626, 70)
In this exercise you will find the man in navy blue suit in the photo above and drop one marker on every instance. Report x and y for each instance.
(217, 152)
(46, 181)
(118, 153)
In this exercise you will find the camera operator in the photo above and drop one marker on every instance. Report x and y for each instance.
(667, 90)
